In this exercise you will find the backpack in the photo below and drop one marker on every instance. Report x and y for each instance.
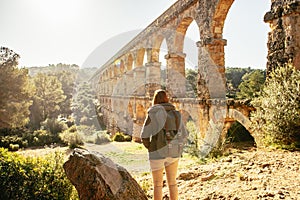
(169, 142)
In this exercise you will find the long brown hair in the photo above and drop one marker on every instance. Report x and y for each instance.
(160, 96)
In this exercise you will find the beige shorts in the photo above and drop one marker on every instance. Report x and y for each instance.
(161, 163)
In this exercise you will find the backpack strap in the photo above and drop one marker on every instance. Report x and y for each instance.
(166, 126)
(176, 120)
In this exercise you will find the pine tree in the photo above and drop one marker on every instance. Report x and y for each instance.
(15, 91)
(48, 96)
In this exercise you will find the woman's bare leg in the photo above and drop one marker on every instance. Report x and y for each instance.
(171, 172)
(157, 177)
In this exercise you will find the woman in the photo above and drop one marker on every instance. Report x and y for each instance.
(157, 124)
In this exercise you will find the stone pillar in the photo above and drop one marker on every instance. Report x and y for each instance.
(211, 62)
(124, 82)
(176, 82)
(139, 81)
(114, 90)
(129, 83)
(284, 38)
(101, 88)
(136, 132)
(106, 86)
(153, 74)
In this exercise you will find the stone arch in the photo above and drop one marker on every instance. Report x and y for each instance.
(167, 34)
(180, 33)
(219, 17)
(156, 48)
(237, 133)
(198, 113)
(235, 115)
(186, 116)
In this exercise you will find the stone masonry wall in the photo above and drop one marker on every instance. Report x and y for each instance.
(284, 37)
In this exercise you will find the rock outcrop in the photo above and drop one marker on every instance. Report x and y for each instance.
(98, 177)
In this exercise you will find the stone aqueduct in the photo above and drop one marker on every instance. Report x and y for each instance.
(125, 84)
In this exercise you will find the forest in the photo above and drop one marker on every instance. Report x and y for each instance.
(40, 105)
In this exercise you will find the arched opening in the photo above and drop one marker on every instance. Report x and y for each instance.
(246, 46)
(194, 138)
(181, 33)
(191, 60)
(190, 48)
(122, 67)
(239, 137)
(163, 50)
(145, 58)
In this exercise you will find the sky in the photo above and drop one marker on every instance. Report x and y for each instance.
(89, 32)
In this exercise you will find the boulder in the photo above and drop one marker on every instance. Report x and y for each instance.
(97, 177)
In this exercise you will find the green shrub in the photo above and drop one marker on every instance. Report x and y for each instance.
(33, 177)
(71, 137)
(121, 137)
(26, 138)
(277, 116)
(14, 147)
(54, 127)
(14, 136)
(41, 138)
(19, 131)
(5, 141)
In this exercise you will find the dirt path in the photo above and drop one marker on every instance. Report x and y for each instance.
(132, 156)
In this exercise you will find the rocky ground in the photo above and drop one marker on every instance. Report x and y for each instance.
(244, 174)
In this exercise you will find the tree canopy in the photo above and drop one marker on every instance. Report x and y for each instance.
(15, 91)
(47, 99)
(251, 84)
